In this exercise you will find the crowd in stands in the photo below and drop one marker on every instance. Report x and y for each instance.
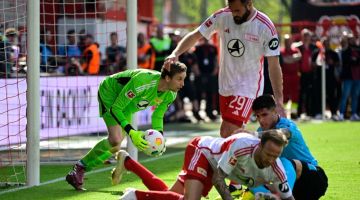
(301, 63)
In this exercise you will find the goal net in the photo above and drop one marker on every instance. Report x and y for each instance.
(12, 94)
(70, 32)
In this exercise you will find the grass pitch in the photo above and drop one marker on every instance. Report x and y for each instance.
(335, 145)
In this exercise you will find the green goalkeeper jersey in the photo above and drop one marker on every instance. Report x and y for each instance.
(130, 91)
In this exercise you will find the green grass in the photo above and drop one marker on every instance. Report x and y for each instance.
(335, 145)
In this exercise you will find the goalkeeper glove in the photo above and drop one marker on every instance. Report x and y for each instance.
(137, 137)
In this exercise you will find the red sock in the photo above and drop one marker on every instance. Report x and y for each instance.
(148, 178)
(158, 195)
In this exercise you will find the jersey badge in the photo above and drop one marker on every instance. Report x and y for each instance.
(208, 23)
(232, 161)
(284, 187)
(236, 48)
(158, 101)
(236, 112)
(130, 94)
(142, 104)
(274, 43)
(201, 171)
(251, 37)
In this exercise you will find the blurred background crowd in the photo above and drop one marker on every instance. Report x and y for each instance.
(302, 58)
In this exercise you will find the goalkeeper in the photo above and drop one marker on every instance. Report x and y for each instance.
(120, 95)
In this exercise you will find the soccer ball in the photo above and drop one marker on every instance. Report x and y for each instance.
(156, 142)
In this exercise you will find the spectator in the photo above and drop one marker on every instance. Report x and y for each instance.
(318, 61)
(115, 55)
(70, 49)
(290, 64)
(5, 68)
(350, 75)
(146, 55)
(12, 40)
(333, 85)
(46, 52)
(91, 57)
(189, 90)
(81, 42)
(208, 76)
(307, 50)
(70, 53)
(161, 44)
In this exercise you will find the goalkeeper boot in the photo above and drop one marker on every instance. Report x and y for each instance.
(76, 176)
(118, 171)
(129, 194)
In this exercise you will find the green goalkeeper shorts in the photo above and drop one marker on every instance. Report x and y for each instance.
(104, 112)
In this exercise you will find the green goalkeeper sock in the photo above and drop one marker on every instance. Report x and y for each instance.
(97, 155)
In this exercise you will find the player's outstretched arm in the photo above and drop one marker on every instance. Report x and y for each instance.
(185, 44)
(276, 79)
(218, 181)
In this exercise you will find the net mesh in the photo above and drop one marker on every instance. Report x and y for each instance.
(80, 43)
(12, 95)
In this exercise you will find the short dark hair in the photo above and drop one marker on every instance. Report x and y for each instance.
(274, 135)
(175, 68)
(242, 1)
(70, 32)
(113, 33)
(264, 101)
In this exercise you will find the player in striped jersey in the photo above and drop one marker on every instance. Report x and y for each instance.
(120, 95)
(208, 161)
(246, 37)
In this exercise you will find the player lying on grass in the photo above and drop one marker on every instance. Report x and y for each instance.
(208, 161)
(293, 168)
(313, 182)
(120, 95)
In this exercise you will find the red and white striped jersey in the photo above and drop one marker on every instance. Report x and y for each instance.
(242, 49)
(235, 156)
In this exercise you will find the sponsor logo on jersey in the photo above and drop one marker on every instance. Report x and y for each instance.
(232, 161)
(236, 48)
(284, 187)
(251, 37)
(143, 104)
(274, 43)
(208, 23)
(130, 94)
(158, 101)
(201, 171)
(235, 112)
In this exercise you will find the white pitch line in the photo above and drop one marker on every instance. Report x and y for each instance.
(93, 172)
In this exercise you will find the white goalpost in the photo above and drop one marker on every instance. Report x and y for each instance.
(131, 16)
(33, 94)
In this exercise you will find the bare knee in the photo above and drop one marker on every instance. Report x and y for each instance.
(115, 136)
(177, 187)
(227, 129)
